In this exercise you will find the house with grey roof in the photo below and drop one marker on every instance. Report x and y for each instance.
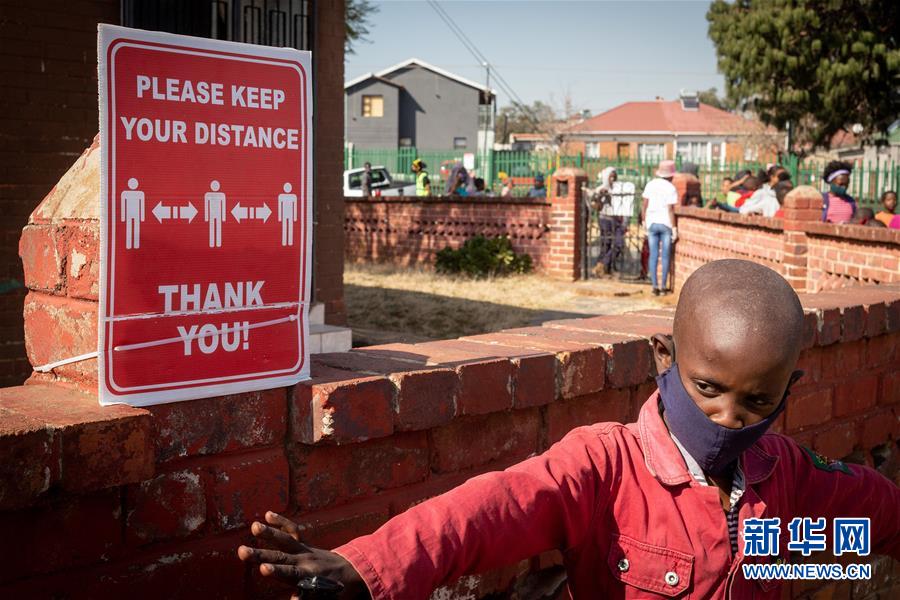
(415, 104)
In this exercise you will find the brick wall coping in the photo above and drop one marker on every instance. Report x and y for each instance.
(852, 232)
(480, 200)
(705, 214)
(56, 438)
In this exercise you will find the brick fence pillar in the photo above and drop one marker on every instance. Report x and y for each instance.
(566, 224)
(803, 205)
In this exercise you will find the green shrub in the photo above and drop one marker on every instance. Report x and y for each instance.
(483, 257)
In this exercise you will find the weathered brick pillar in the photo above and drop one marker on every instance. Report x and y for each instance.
(566, 223)
(802, 206)
(60, 250)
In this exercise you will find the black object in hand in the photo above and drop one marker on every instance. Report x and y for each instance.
(319, 588)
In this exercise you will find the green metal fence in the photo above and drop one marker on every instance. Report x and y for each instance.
(867, 182)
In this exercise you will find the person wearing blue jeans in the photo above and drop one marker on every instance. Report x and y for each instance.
(658, 234)
(658, 216)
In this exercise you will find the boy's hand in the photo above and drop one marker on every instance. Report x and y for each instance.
(294, 560)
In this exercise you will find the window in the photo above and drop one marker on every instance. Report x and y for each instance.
(406, 142)
(651, 153)
(267, 22)
(373, 106)
(460, 143)
(592, 150)
(695, 152)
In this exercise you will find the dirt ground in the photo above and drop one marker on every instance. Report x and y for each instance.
(388, 304)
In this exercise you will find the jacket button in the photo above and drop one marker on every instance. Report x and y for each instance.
(623, 565)
(672, 578)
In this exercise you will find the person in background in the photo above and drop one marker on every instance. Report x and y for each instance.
(658, 217)
(863, 216)
(837, 205)
(538, 190)
(751, 185)
(763, 200)
(612, 226)
(782, 189)
(423, 183)
(458, 181)
(888, 206)
(366, 180)
(478, 187)
(506, 183)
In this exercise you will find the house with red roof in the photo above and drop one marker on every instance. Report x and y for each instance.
(661, 130)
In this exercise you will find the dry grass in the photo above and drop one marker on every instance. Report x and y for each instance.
(386, 303)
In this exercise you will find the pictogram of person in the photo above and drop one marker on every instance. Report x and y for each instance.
(287, 214)
(132, 214)
(214, 212)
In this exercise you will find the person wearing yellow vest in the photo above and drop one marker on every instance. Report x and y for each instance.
(423, 184)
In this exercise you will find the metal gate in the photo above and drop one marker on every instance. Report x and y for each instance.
(613, 243)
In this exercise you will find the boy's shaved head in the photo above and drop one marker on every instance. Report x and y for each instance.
(738, 303)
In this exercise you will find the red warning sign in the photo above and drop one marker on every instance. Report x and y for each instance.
(206, 216)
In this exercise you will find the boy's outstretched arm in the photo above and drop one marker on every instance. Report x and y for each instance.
(544, 503)
(835, 489)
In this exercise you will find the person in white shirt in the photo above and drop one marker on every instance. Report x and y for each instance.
(658, 217)
(763, 200)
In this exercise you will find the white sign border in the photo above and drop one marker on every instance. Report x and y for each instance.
(108, 34)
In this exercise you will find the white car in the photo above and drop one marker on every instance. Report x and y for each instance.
(382, 184)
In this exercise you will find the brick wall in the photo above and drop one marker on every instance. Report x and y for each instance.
(120, 502)
(811, 255)
(410, 231)
(48, 115)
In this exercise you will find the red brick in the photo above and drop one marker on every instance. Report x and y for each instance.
(41, 260)
(883, 349)
(853, 323)
(99, 447)
(806, 408)
(30, 462)
(220, 424)
(840, 361)
(244, 486)
(331, 475)
(876, 319)
(855, 395)
(810, 363)
(533, 375)
(171, 505)
(69, 532)
(471, 441)
(580, 364)
(332, 527)
(608, 405)
(836, 442)
(57, 328)
(425, 397)
(890, 388)
(79, 246)
(880, 428)
(485, 382)
(828, 327)
(341, 407)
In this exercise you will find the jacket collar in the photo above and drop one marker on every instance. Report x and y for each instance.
(664, 461)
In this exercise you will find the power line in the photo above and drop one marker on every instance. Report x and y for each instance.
(482, 59)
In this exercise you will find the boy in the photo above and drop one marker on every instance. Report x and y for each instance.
(889, 205)
(649, 509)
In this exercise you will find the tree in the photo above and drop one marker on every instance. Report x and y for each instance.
(711, 97)
(356, 22)
(819, 65)
(517, 118)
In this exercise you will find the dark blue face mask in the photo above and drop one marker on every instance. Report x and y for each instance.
(838, 190)
(714, 447)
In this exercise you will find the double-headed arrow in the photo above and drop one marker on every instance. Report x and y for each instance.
(174, 212)
(244, 212)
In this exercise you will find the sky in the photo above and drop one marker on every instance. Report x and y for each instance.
(599, 54)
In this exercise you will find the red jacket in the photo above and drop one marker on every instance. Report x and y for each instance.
(609, 492)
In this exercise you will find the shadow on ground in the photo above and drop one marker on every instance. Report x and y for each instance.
(380, 315)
